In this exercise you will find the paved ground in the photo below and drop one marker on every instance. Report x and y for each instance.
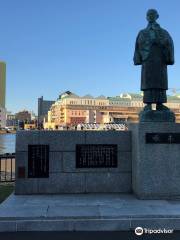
(69, 212)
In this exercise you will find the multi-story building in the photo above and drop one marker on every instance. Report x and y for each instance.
(129, 105)
(43, 108)
(30, 126)
(2, 117)
(23, 116)
(33, 116)
(11, 120)
(2, 94)
(2, 84)
(70, 109)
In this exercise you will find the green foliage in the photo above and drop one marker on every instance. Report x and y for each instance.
(5, 191)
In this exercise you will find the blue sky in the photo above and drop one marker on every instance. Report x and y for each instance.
(85, 46)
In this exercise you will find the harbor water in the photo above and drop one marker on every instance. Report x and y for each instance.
(7, 143)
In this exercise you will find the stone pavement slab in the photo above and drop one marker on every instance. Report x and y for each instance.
(86, 212)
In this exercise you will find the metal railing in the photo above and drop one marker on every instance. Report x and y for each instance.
(7, 167)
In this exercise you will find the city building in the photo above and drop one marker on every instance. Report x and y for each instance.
(30, 126)
(11, 120)
(43, 108)
(33, 116)
(2, 94)
(2, 117)
(2, 84)
(130, 104)
(23, 116)
(71, 109)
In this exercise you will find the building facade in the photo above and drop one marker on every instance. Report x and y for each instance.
(23, 116)
(71, 109)
(11, 120)
(43, 108)
(2, 117)
(2, 84)
(2, 95)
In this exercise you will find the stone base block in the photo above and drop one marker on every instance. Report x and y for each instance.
(156, 116)
(155, 166)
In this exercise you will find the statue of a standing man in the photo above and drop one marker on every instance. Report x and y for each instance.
(154, 50)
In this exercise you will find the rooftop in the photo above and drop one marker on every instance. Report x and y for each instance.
(120, 97)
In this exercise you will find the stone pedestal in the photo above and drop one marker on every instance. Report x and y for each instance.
(157, 116)
(155, 164)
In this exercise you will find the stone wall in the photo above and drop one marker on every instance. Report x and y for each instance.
(64, 177)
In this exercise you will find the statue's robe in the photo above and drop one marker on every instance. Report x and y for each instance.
(154, 50)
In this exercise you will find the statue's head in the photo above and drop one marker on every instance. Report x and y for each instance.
(152, 15)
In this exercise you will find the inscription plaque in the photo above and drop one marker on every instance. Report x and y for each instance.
(38, 161)
(96, 156)
(163, 138)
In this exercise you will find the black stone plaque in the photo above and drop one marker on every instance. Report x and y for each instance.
(96, 156)
(38, 161)
(163, 138)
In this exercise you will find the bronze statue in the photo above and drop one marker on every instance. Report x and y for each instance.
(154, 50)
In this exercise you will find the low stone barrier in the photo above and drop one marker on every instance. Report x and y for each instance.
(73, 162)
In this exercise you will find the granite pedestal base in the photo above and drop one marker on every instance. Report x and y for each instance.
(155, 166)
(156, 116)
